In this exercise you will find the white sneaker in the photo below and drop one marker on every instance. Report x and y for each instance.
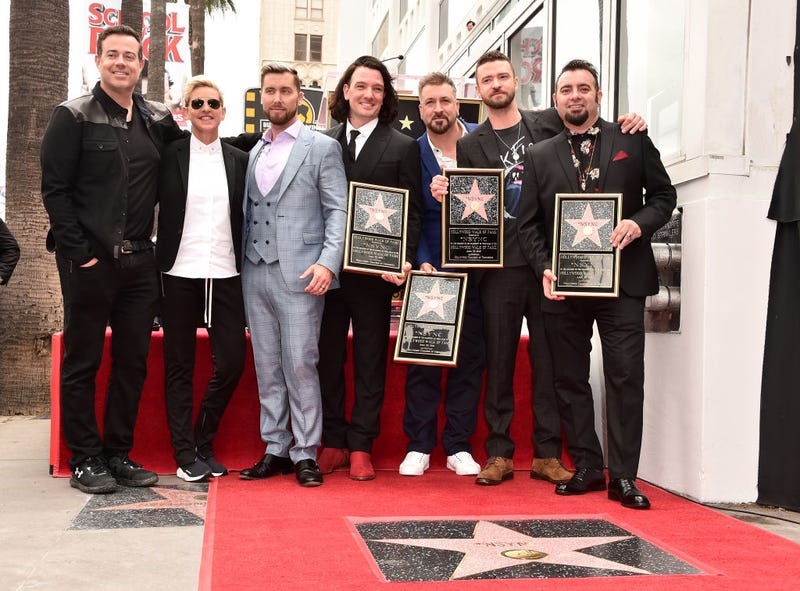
(463, 464)
(415, 464)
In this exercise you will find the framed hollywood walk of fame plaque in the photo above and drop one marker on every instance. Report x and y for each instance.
(584, 261)
(375, 236)
(472, 218)
(429, 330)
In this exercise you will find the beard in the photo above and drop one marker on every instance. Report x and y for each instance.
(577, 118)
(441, 126)
(500, 102)
(281, 117)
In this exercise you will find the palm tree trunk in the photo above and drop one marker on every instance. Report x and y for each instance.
(130, 13)
(155, 71)
(30, 305)
(197, 35)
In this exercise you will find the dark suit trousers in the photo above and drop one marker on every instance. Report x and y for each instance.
(508, 295)
(464, 383)
(367, 301)
(182, 305)
(620, 323)
(125, 298)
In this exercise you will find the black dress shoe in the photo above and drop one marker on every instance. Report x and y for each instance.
(583, 481)
(308, 473)
(267, 466)
(626, 492)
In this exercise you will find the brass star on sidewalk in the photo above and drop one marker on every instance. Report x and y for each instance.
(171, 498)
(493, 547)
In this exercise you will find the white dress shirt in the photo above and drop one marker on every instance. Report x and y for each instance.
(206, 248)
(363, 133)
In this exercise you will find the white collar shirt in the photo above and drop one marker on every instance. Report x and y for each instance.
(363, 133)
(206, 248)
(443, 160)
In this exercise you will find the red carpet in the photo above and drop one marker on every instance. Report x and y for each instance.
(238, 443)
(274, 534)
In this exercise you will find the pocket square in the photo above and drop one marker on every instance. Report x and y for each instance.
(621, 155)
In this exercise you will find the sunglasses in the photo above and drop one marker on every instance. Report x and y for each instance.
(212, 103)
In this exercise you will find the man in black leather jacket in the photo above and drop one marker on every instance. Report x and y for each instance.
(100, 156)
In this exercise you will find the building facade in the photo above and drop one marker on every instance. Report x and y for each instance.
(304, 33)
(714, 80)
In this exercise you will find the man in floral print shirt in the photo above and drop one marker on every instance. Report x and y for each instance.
(594, 156)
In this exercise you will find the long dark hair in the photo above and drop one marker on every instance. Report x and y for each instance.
(340, 107)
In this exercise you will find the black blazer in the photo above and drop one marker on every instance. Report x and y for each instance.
(629, 164)
(391, 159)
(478, 149)
(172, 186)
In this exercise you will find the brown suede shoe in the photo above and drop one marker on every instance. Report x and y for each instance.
(550, 469)
(496, 471)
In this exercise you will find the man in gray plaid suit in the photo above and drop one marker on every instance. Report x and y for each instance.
(295, 210)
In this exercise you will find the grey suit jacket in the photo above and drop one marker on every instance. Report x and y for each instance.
(311, 207)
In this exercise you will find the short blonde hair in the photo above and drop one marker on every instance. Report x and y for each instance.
(199, 82)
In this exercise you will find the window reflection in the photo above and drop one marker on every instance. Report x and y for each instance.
(651, 40)
(527, 56)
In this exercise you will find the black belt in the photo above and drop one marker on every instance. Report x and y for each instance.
(132, 246)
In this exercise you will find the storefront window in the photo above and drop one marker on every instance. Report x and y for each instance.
(651, 39)
(527, 56)
(578, 33)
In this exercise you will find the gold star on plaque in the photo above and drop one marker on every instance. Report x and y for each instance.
(405, 123)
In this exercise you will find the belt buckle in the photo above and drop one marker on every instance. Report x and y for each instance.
(125, 247)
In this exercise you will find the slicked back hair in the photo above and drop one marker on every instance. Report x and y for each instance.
(280, 68)
(436, 79)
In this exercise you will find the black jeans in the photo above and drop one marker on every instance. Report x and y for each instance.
(124, 296)
(182, 305)
(508, 295)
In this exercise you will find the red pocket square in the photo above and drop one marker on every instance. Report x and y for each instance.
(621, 155)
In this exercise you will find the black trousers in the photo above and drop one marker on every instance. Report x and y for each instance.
(123, 294)
(462, 392)
(508, 295)
(367, 301)
(620, 323)
(182, 305)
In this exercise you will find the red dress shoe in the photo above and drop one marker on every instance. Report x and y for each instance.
(361, 466)
(331, 458)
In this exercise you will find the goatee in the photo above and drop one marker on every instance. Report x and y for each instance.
(576, 118)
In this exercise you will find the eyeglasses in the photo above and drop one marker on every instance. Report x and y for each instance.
(213, 103)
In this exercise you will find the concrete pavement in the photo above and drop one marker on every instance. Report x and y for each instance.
(42, 549)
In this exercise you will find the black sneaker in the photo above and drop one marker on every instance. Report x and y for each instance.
(194, 471)
(91, 476)
(128, 473)
(217, 469)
